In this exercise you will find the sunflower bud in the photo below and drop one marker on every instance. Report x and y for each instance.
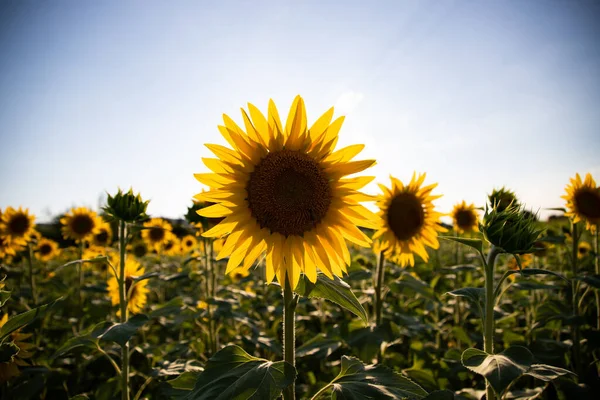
(511, 229)
(502, 198)
(126, 206)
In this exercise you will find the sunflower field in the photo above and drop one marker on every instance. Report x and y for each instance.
(285, 280)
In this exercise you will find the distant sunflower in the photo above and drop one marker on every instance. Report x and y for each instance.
(465, 217)
(47, 249)
(188, 244)
(79, 224)
(408, 220)
(10, 369)
(583, 249)
(103, 235)
(239, 273)
(137, 292)
(138, 248)
(171, 245)
(17, 226)
(6, 249)
(156, 233)
(583, 201)
(282, 192)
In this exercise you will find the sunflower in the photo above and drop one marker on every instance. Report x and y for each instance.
(583, 201)
(526, 261)
(47, 249)
(282, 192)
(17, 226)
(239, 273)
(103, 235)
(138, 248)
(137, 292)
(171, 245)
(408, 220)
(6, 249)
(465, 217)
(79, 224)
(583, 249)
(156, 232)
(188, 244)
(10, 369)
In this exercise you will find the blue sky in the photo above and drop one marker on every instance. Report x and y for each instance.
(96, 95)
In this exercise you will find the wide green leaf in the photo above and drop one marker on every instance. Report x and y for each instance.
(318, 347)
(20, 320)
(4, 296)
(474, 295)
(233, 374)
(357, 381)
(591, 280)
(121, 333)
(476, 244)
(409, 282)
(336, 291)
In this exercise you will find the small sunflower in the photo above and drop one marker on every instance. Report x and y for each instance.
(103, 235)
(79, 224)
(137, 292)
(583, 249)
(171, 245)
(47, 249)
(239, 273)
(10, 369)
(282, 191)
(408, 220)
(138, 248)
(156, 233)
(188, 244)
(465, 217)
(17, 226)
(583, 201)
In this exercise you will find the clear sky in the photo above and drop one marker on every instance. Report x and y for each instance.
(478, 94)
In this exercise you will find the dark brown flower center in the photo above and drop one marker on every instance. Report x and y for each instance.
(19, 224)
(102, 237)
(288, 193)
(82, 224)
(157, 234)
(583, 250)
(405, 215)
(189, 243)
(139, 250)
(45, 249)
(465, 219)
(169, 245)
(588, 203)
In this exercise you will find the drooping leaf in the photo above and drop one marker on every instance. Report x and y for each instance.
(592, 280)
(357, 381)
(146, 276)
(318, 347)
(336, 291)
(476, 244)
(4, 296)
(20, 320)
(233, 374)
(409, 282)
(121, 333)
(547, 373)
(475, 295)
(75, 342)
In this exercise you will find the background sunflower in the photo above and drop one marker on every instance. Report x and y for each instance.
(17, 225)
(80, 224)
(465, 218)
(137, 292)
(583, 201)
(47, 249)
(156, 233)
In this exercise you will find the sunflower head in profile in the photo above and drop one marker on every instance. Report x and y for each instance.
(10, 369)
(47, 249)
(583, 249)
(583, 201)
(103, 234)
(137, 292)
(408, 220)
(281, 190)
(156, 232)
(465, 217)
(17, 225)
(80, 224)
(188, 244)
(502, 198)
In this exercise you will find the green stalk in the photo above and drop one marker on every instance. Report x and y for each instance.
(31, 276)
(207, 280)
(123, 308)
(289, 333)
(488, 331)
(575, 328)
(378, 286)
(80, 275)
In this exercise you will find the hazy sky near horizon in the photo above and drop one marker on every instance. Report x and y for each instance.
(96, 95)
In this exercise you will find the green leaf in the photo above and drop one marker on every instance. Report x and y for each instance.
(592, 280)
(185, 381)
(553, 239)
(476, 244)
(146, 276)
(79, 397)
(408, 281)
(318, 347)
(547, 373)
(4, 296)
(75, 342)
(460, 268)
(357, 381)
(20, 320)
(233, 374)
(173, 306)
(474, 295)
(121, 333)
(443, 395)
(336, 291)
(7, 351)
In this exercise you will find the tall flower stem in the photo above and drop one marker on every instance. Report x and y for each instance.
(289, 334)
(123, 309)
(80, 275)
(597, 269)
(380, 273)
(207, 281)
(490, 300)
(575, 328)
(31, 276)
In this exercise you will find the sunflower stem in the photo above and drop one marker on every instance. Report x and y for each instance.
(80, 275)
(488, 331)
(597, 269)
(123, 309)
(31, 276)
(289, 333)
(207, 280)
(575, 327)
(378, 286)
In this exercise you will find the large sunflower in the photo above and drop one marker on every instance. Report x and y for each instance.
(17, 226)
(408, 220)
(282, 192)
(583, 201)
(156, 233)
(10, 369)
(137, 292)
(103, 234)
(80, 224)
(47, 249)
(465, 217)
